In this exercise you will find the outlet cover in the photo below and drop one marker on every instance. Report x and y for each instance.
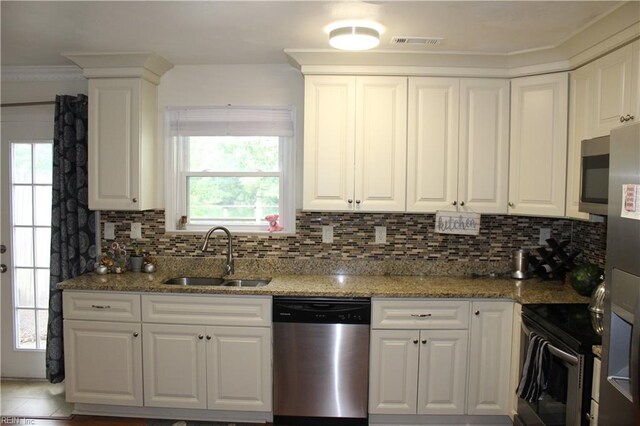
(545, 234)
(136, 230)
(381, 234)
(327, 233)
(109, 231)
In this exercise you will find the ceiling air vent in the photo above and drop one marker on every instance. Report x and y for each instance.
(425, 41)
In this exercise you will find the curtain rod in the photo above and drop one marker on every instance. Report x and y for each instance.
(19, 104)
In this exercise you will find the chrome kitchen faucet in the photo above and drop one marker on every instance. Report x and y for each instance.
(229, 266)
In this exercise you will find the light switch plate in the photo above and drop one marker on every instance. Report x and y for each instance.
(136, 230)
(327, 233)
(381, 234)
(109, 231)
(545, 234)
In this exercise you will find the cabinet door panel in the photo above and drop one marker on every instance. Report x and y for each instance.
(103, 362)
(483, 157)
(329, 138)
(175, 366)
(443, 372)
(114, 138)
(580, 121)
(538, 153)
(239, 368)
(381, 140)
(613, 90)
(393, 372)
(490, 358)
(432, 147)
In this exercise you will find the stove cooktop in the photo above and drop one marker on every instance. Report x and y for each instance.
(570, 323)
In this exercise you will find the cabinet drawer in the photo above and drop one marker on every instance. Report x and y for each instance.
(207, 310)
(103, 306)
(419, 314)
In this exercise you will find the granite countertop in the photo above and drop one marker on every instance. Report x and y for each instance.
(525, 291)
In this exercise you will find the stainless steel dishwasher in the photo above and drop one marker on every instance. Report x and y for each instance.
(320, 360)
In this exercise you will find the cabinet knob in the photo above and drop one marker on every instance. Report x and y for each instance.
(630, 117)
(208, 337)
(3, 268)
(415, 341)
(200, 336)
(511, 204)
(476, 313)
(350, 201)
(135, 200)
(462, 203)
(424, 341)
(357, 201)
(455, 203)
(622, 119)
(135, 334)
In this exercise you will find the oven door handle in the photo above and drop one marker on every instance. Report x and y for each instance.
(558, 353)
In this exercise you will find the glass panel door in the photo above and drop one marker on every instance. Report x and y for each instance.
(31, 179)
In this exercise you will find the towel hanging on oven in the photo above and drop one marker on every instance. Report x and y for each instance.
(535, 369)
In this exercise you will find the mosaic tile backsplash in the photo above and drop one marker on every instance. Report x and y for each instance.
(410, 237)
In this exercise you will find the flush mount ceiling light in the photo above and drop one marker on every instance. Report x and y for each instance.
(354, 37)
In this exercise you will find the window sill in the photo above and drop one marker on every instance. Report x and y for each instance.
(233, 233)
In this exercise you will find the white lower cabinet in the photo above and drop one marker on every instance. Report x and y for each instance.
(190, 366)
(418, 371)
(490, 358)
(444, 357)
(193, 358)
(103, 362)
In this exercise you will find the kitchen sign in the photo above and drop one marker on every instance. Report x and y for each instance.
(460, 223)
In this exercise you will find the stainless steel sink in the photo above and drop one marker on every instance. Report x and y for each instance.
(221, 282)
(245, 283)
(194, 281)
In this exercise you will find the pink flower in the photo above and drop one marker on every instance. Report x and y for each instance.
(273, 223)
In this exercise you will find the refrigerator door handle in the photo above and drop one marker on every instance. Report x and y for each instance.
(634, 373)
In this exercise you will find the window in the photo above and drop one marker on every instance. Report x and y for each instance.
(230, 166)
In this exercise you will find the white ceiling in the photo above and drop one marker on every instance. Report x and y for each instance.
(256, 32)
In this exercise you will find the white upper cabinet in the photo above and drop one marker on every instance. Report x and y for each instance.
(483, 155)
(432, 167)
(537, 165)
(581, 85)
(613, 91)
(122, 129)
(355, 143)
(123, 111)
(458, 144)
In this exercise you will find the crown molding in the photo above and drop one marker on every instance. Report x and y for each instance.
(41, 73)
(147, 65)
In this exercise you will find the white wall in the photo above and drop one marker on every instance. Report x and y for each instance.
(243, 85)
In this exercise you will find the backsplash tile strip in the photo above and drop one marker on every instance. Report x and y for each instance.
(410, 237)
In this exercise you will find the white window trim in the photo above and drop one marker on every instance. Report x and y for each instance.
(174, 178)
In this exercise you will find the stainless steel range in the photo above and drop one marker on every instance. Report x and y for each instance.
(568, 329)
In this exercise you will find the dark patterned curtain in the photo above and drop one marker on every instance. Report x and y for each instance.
(73, 249)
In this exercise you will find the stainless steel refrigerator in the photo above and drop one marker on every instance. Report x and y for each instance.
(620, 380)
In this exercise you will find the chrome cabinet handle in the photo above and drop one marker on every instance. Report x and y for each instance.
(625, 118)
(415, 341)
(208, 337)
(200, 336)
(135, 334)
(462, 203)
(101, 306)
(477, 312)
(3, 268)
(455, 203)
(420, 315)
